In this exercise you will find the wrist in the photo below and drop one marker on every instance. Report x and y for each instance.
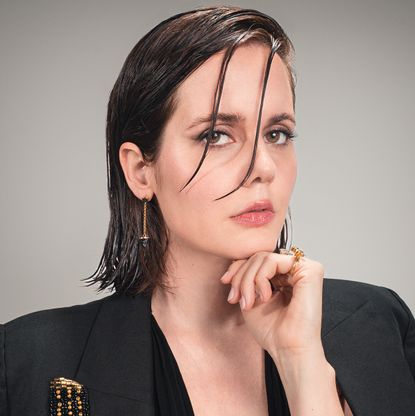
(302, 366)
(313, 351)
(309, 381)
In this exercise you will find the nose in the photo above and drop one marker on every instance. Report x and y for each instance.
(264, 167)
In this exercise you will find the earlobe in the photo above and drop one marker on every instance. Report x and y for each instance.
(136, 171)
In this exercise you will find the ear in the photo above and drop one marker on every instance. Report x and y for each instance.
(138, 174)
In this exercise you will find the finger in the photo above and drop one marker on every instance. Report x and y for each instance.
(285, 263)
(232, 269)
(267, 283)
(262, 281)
(264, 287)
(248, 283)
(275, 269)
(236, 280)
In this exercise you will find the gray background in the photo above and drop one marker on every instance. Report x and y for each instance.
(353, 204)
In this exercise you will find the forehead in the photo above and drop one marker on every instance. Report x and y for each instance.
(242, 88)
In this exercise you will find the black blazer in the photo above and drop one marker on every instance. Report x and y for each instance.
(368, 334)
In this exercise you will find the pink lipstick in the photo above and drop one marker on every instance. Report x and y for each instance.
(256, 214)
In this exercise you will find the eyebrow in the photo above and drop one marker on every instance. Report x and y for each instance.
(233, 118)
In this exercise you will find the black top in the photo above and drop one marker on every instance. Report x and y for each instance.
(170, 394)
(107, 345)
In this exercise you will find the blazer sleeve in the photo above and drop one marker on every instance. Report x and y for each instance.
(3, 388)
(409, 334)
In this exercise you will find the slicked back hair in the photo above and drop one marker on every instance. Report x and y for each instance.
(142, 101)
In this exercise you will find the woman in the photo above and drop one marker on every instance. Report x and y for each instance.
(214, 312)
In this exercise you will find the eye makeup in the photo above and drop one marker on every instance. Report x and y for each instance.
(289, 137)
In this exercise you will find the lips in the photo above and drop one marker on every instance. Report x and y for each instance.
(262, 205)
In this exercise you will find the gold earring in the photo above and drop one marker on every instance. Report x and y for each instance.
(143, 240)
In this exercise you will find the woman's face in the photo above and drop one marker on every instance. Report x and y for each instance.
(194, 219)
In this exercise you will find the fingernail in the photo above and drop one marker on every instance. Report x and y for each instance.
(224, 275)
(242, 302)
(231, 293)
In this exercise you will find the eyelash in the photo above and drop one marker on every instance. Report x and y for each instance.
(290, 136)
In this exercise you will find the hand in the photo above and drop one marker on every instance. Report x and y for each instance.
(287, 320)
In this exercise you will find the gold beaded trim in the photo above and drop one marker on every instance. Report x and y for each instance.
(67, 398)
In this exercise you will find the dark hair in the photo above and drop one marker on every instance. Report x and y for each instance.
(140, 104)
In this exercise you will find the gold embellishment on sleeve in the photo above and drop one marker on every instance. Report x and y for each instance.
(67, 398)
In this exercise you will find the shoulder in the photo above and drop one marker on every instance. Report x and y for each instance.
(368, 334)
(42, 345)
(382, 300)
(356, 292)
(50, 330)
(36, 346)
(50, 324)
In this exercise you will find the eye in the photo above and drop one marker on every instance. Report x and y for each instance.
(276, 135)
(215, 139)
(284, 135)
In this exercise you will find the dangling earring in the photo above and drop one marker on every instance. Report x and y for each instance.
(143, 240)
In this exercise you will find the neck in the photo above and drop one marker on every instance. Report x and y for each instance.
(197, 301)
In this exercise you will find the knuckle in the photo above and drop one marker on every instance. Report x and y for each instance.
(235, 265)
(319, 267)
(244, 285)
(235, 284)
(257, 279)
(270, 260)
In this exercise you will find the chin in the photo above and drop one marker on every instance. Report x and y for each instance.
(246, 250)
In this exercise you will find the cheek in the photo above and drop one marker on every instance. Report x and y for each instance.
(292, 177)
(191, 207)
(213, 179)
(287, 175)
(175, 167)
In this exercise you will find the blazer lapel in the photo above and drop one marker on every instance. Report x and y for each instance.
(117, 363)
(363, 345)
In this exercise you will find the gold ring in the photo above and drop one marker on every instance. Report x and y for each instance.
(298, 254)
